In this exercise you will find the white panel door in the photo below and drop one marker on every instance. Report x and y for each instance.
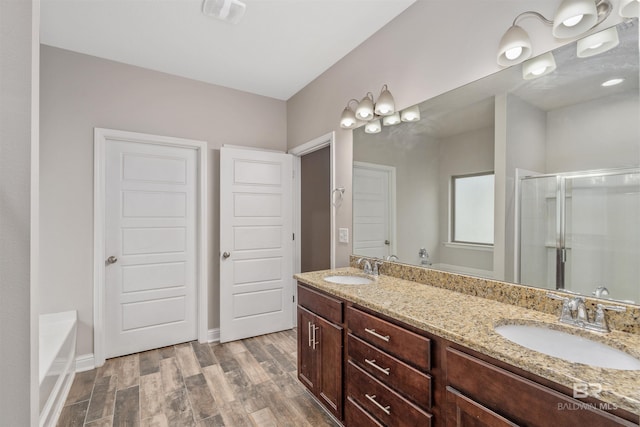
(256, 243)
(150, 226)
(372, 210)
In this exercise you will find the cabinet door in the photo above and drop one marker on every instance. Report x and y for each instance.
(306, 353)
(328, 347)
(465, 412)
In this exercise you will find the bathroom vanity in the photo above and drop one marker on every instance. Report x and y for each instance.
(400, 353)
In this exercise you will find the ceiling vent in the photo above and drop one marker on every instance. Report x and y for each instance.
(226, 10)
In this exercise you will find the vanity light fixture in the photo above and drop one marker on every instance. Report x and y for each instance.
(538, 66)
(376, 113)
(348, 118)
(598, 43)
(385, 105)
(630, 8)
(364, 110)
(573, 17)
(367, 109)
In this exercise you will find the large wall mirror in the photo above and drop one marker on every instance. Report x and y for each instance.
(530, 180)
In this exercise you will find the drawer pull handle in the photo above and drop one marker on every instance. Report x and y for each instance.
(378, 367)
(309, 333)
(385, 409)
(377, 335)
(315, 341)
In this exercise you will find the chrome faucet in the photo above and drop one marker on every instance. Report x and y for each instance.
(367, 265)
(424, 256)
(574, 312)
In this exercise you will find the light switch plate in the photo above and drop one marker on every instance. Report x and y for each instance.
(343, 235)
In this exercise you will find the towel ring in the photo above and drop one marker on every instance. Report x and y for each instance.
(340, 191)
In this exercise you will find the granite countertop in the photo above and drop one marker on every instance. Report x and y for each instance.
(470, 321)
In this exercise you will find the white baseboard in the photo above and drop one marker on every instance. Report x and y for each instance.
(213, 335)
(87, 362)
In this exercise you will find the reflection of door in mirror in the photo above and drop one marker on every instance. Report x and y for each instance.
(315, 211)
(373, 209)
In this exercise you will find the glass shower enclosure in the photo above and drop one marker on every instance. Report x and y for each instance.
(580, 232)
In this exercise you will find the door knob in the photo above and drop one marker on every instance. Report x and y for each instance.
(226, 255)
(386, 242)
(112, 260)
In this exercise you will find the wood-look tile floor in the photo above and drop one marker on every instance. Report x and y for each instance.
(252, 382)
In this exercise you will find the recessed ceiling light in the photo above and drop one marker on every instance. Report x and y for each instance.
(612, 82)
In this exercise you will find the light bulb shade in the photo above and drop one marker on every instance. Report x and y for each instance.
(514, 47)
(348, 119)
(598, 43)
(411, 114)
(373, 126)
(538, 66)
(630, 8)
(574, 17)
(385, 105)
(391, 120)
(364, 111)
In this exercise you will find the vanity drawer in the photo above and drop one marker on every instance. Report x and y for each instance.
(385, 404)
(321, 304)
(402, 343)
(518, 399)
(355, 416)
(393, 372)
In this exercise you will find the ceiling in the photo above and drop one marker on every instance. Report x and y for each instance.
(278, 48)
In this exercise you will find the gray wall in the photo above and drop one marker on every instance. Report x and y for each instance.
(18, 320)
(80, 92)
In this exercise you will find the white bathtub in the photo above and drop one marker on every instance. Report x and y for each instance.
(57, 363)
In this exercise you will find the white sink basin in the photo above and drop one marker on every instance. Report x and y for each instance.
(348, 280)
(572, 348)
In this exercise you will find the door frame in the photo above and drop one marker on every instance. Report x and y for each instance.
(326, 140)
(99, 195)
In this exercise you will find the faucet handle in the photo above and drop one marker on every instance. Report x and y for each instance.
(600, 322)
(618, 308)
(376, 266)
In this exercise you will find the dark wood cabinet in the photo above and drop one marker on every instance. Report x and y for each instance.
(376, 371)
(466, 412)
(480, 393)
(388, 371)
(320, 344)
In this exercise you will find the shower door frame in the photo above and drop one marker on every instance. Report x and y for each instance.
(561, 193)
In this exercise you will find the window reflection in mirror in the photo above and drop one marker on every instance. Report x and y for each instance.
(472, 203)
